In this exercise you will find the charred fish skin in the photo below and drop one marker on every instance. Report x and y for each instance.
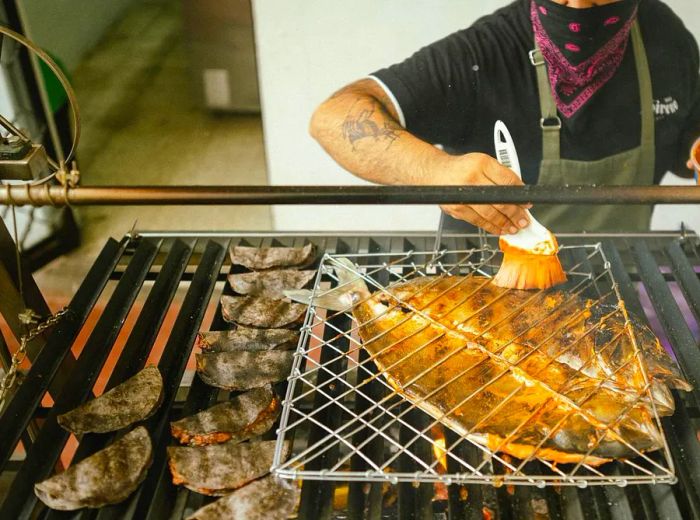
(589, 337)
(559, 412)
(244, 370)
(248, 338)
(218, 469)
(245, 416)
(106, 477)
(134, 400)
(266, 499)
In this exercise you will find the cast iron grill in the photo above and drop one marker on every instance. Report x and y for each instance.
(156, 269)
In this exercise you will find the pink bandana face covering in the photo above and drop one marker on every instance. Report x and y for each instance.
(583, 48)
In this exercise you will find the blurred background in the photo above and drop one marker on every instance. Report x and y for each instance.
(209, 92)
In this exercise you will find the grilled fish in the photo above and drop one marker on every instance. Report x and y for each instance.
(107, 477)
(245, 369)
(134, 400)
(246, 338)
(219, 469)
(270, 284)
(245, 416)
(265, 499)
(544, 374)
(256, 311)
(257, 258)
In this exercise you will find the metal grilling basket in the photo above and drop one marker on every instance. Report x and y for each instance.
(370, 432)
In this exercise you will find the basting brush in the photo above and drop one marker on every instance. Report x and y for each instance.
(530, 258)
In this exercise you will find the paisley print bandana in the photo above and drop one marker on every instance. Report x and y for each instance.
(583, 48)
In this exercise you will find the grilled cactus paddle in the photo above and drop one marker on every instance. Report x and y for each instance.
(256, 311)
(245, 369)
(258, 258)
(548, 375)
(247, 338)
(265, 499)
(134, 400)
(270, 284)
(107, 477)
(221, 468)
(244, 416)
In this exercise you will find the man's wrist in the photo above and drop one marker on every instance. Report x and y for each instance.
(436, 168)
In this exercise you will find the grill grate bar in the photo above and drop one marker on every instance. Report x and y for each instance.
(199, 397)
(49, 443)
(685, 448)
(19, 410)
(317, 496)
(686, 276)
(671, 317)
(413, 502)
(172, 366)
(364, 500)
(622, 277)
(686, 453)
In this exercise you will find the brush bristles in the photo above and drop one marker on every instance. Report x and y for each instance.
(527, 271)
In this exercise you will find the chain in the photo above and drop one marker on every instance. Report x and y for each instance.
(21, 353)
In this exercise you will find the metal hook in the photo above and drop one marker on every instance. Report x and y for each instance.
(438, 234)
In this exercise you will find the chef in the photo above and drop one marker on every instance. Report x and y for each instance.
(603, 92)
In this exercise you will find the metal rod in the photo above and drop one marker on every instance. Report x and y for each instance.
(44, 195)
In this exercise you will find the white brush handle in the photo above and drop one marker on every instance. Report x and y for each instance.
(508, 157)
(505, 148)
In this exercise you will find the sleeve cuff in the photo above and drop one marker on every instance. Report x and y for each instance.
(392, 97)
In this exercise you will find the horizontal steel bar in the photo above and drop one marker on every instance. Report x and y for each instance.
(45, 195)
(465, 478)
(304, 234)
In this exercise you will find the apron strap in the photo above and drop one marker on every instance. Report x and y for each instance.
(549, 122)
(646, 98)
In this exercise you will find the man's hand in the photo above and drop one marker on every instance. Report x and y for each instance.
(477, 169)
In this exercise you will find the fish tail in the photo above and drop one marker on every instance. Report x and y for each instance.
(350, 289)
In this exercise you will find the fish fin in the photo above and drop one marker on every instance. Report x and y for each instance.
(351, 287)
(299, 295)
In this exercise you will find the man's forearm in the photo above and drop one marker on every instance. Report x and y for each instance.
(356, 127)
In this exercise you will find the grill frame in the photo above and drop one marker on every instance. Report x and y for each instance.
(157, 498)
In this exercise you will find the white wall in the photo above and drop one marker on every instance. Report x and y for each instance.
(69, 28)
(308, 48)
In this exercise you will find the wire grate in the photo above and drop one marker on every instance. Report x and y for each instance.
(330, 377)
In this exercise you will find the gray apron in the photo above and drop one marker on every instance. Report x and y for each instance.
(633, 167)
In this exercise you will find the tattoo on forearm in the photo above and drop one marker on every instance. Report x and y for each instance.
(361, 124)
